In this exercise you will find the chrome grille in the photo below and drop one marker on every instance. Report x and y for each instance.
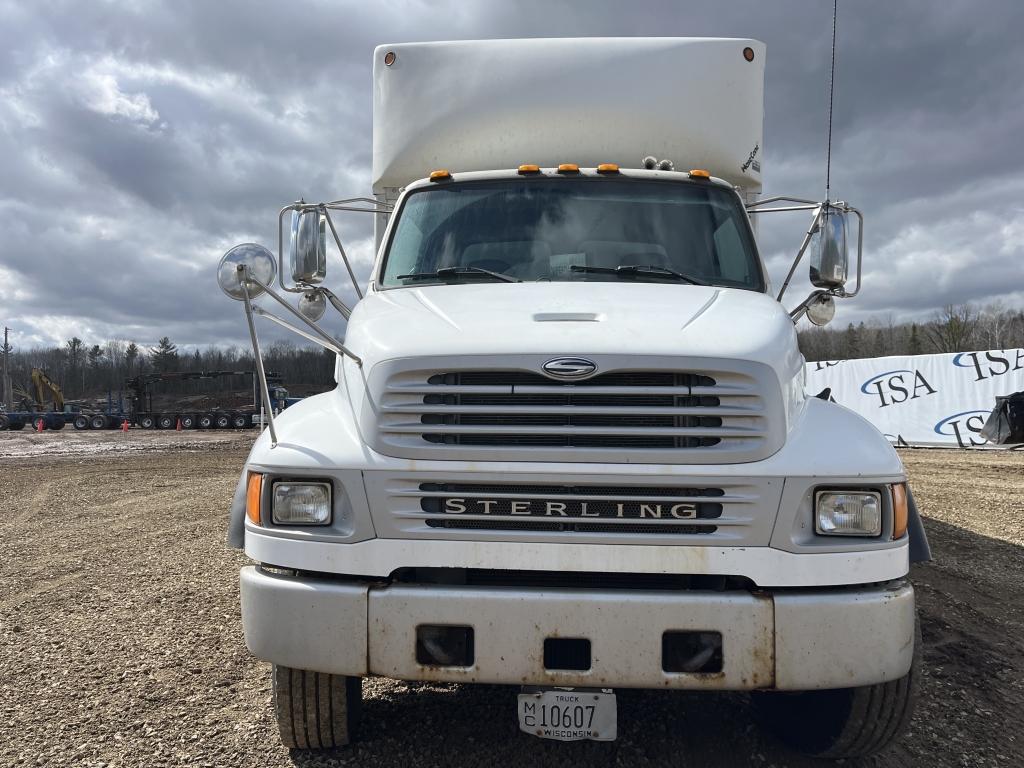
(655, 415)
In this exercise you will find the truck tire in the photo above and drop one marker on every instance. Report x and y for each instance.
(188, 421)
(844, 722)
(239, 421)
(147, 421)
(206, 421)
(57, 424)
(222, 421)
(315, 710)
(99, 421)
(81, 422)
(14, 426)
(165, 421)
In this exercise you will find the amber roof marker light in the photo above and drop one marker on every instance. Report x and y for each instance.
(608, 168)
(568, 168)
(390, 56)
(529, 168)
(699, 173)
(441, 174)
(748, 53)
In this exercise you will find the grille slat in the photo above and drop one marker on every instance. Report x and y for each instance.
(647, 413)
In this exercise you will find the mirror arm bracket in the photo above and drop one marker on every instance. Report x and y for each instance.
(801, 309)
(298, 331)
(337, 303)
(341, 250)
(261, 373)
(842, 293)
(815, 224)
(338, 347)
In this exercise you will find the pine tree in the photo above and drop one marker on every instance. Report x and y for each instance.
(131, 354)
(164, 356)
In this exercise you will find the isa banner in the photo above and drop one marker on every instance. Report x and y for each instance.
(937, 400)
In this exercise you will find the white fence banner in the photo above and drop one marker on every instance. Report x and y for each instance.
(938, 400)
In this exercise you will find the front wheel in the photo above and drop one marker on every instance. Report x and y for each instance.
(315, 710)
(844, 722)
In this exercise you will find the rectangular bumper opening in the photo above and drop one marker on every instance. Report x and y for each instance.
(567, 653)
(440, 645)
(691, 652)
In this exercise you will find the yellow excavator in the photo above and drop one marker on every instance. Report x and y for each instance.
(33, 405)
(40, 384)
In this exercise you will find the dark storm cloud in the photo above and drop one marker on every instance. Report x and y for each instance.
(140, 140)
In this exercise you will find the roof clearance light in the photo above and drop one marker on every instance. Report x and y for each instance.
(529, 168)
(568, 168)
(608, 168)
(748, 53)
(699, 173)
(442, 174)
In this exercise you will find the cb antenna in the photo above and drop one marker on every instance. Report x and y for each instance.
(831, 91)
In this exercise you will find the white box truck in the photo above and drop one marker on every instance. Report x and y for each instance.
(570, 449)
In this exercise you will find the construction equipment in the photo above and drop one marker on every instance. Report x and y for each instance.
(42, 382)
(32, 407)
(141, 412)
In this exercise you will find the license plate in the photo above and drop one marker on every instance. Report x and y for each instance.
(569, 715)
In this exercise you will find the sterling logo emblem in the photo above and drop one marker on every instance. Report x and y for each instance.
(569, 367)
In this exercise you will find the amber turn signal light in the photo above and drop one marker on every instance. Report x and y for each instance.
(899, 510)
(253, 491)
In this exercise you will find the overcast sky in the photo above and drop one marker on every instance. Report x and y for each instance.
(139, 140)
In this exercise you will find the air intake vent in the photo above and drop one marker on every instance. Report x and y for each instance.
(652, 415)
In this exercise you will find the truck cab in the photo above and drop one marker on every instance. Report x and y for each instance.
(570, 449)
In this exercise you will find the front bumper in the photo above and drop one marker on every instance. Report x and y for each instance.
(783, 639)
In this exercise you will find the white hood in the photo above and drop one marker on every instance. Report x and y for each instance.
(560, 318)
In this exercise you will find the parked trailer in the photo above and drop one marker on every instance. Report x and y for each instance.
(15, 420)
(141, 413)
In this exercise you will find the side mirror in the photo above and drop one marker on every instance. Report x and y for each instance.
(829, 260)
(822, 309)
(308, 254)
(260, 264)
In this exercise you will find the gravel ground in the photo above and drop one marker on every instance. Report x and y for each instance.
(121, 645)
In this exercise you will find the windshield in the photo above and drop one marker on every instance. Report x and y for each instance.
(572, 229)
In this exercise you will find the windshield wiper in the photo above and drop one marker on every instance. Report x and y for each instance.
(449, 272)
(638, 270)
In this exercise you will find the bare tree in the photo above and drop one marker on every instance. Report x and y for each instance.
(953, 329)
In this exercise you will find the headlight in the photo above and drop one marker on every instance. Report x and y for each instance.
(296, 503)
(848, 513)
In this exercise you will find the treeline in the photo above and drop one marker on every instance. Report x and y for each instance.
(83, 371)
(89, 372)
(955, 328)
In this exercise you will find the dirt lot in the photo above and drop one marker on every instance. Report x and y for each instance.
(120, 636)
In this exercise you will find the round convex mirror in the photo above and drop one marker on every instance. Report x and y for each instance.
(312, 305)
(260, 263)
(822, 310)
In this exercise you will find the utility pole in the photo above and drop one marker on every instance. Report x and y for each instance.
(8, 397)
